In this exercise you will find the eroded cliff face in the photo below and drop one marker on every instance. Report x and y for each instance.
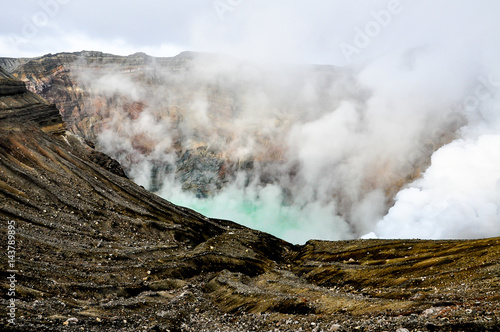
(19, 106)
(52, 77)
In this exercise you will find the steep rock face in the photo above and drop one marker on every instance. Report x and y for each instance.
(23, 107)
(94, 251)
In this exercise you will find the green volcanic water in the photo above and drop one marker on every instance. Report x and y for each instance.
(263, 209)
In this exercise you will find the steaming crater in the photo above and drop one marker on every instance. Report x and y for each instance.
(298, 151)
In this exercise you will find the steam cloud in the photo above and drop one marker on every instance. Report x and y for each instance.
(403, 143)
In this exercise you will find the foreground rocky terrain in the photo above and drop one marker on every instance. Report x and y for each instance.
(96, 252)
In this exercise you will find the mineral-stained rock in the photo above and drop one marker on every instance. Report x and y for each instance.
(95, 252)
(198, 171)
(20, 106)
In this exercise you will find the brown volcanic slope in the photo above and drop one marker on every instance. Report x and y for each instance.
(96, 252)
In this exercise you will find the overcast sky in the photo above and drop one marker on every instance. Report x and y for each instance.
(297, 31)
